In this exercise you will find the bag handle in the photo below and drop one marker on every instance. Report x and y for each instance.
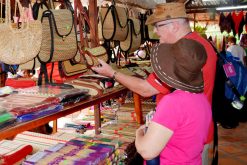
(83, 16)
(1, 14)
(78, 7)
(7, 12)
(24, 18)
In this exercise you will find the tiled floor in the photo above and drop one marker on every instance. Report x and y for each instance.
(233, 145)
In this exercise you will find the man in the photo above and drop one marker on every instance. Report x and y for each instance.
(170, 24)
(236, 50)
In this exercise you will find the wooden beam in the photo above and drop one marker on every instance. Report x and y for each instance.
(93, 15)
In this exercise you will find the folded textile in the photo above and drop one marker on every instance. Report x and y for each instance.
(5, 117)
(25, 104)
(41, 141)
(12, 152)
(31, 116)
(7, 123)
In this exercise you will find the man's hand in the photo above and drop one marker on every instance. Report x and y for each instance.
(104, 69)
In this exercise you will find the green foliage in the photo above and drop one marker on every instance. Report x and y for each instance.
(200, 29)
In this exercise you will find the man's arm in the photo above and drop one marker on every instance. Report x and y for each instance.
(137, 85)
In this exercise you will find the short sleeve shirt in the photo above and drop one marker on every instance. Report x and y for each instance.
(188, 115)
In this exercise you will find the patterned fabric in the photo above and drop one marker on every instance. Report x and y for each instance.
(12, 152)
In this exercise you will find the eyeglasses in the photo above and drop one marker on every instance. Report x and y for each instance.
(160, 25)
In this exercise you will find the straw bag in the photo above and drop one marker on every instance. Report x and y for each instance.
(15, 47)
(114, 24)
(59, 40)
(133, 40)
(70, 68)
(30, 65)
(90, 55)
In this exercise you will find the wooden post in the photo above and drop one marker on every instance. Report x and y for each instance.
(93, 17)
(54, 128)
(97, 119)
(138, 108)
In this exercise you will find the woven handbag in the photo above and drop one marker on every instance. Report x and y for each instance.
(114, 24)
(59, 40)
(133, 40)
(91, 55)
(30, 65)
(19, 45)
(70, 68)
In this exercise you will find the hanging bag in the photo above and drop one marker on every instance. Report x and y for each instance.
(90, 55)
(133, 40)
(114, 24)
(59, 41)
(19, 45)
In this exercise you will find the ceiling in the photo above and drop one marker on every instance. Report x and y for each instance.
(202, 6)
(192, 6)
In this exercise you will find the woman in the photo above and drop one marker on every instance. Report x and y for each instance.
(181, 123)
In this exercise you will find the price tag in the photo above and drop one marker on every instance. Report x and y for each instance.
(229, 70)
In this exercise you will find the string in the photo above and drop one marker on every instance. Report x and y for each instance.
(1, 11)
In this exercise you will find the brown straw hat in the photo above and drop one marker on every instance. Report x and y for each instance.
(166, 11)
(179, 65)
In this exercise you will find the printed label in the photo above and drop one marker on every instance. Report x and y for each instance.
(229, 70)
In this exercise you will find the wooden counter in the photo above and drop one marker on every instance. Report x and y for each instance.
(12, 130)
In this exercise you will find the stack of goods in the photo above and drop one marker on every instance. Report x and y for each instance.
(125, 147)
(65, 94)
(13, 152)
(73, 152)
(108, 113)
(81, 149)
(126, 111)
(123, 129)
(40, 142)
(6, 118)
(34, 102)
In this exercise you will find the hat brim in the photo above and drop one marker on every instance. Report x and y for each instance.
(152, 19)
(166, 72)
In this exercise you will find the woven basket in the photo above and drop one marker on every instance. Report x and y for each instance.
(19, 45)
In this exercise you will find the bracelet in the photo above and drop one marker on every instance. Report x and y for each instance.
(114, 75)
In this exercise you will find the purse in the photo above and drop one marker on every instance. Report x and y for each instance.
(30, 65)
(133, 40)
(114, 24)
(15, 47)
(90, 55)
(59, 40)
(70, 68)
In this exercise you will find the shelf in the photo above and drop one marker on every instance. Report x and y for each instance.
(14, 129)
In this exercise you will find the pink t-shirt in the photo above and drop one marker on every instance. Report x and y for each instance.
(188, 115)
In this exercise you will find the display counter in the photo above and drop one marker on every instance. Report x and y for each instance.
(16, 128)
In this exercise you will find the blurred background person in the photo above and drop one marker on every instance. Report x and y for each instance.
(236, 50)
